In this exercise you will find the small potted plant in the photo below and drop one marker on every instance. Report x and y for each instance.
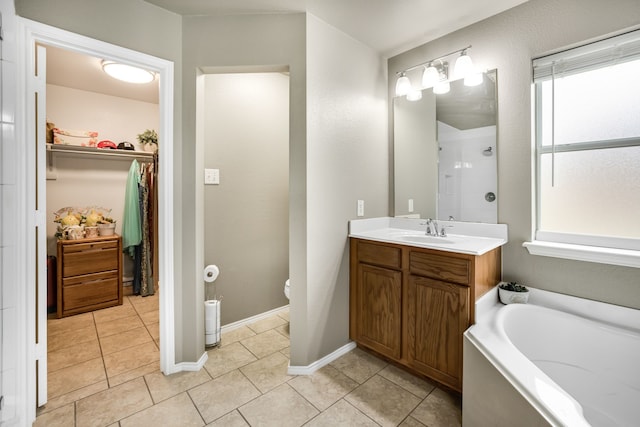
(513, 293)
(149, 140)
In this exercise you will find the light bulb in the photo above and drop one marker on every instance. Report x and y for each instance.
(403, 85)
(442, 88)
(430, 76)
(464, 65)
(473, 79)
(414, 95)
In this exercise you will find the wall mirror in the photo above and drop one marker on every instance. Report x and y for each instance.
(445, 150)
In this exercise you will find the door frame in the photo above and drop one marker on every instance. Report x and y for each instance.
(28, 34)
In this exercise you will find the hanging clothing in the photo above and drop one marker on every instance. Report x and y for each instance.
(131, 225)
(146, 285)
(138, 225)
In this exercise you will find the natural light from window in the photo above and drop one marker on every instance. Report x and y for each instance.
(587, 152)
(596, 181)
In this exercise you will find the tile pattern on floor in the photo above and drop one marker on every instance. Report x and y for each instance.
(104, 371)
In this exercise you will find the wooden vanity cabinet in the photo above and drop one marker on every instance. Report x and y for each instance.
(376, 297)
(89, 274)
(412, 305)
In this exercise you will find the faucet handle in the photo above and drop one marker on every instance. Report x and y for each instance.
(443, 231)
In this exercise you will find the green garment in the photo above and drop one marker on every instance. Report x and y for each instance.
(131, 226)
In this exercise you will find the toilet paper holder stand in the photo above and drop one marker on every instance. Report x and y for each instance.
(212, 330)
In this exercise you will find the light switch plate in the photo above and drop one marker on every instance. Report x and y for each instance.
(360, 207)
(212, 176)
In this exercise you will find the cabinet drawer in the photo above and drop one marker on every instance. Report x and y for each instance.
(90, 289)
(440, 267)
(382, 255)
(94, 258)
(89, 246)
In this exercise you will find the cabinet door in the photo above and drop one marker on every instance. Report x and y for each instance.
(379, 305)
(438, 314)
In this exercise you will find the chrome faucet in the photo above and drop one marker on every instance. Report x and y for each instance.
(432, 228)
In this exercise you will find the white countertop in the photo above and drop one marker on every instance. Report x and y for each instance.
(462, 237)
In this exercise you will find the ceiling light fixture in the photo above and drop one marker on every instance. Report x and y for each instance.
(437, 74)
(127, 73)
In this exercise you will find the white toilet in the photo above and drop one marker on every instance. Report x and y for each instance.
(287, 287)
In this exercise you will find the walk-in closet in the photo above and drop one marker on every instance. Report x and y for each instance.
(102, 221)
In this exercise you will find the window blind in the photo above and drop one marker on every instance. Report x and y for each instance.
(614, 50)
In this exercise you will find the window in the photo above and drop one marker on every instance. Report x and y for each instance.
(587, 105)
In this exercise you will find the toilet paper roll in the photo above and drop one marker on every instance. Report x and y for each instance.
(212, 322)
(211, 273)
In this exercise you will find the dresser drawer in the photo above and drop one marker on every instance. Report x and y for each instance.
(89, 258)
(89, 274)
(440, 267)
(89, 246)
(90, 289)
(382, 255)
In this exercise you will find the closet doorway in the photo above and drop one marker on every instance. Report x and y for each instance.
(104, 318)
(70, 170)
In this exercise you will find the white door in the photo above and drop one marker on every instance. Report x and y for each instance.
(33, 148)
(36, 152)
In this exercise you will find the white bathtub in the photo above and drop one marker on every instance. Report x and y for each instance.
(558, 360)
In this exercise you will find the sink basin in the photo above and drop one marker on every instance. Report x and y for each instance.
(416, 238)
(465, 238)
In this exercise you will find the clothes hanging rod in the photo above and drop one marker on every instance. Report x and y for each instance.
(73, 149)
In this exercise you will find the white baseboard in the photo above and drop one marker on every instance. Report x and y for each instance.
(248, 320)
(192, 366)
(310, 369)
(196, 366)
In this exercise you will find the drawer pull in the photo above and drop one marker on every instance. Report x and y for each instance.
(94, 281)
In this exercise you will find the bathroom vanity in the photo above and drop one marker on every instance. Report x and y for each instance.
(412, 296)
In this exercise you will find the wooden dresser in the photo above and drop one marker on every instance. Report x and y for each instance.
(89, 274)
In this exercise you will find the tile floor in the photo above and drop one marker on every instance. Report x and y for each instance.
(104, 371)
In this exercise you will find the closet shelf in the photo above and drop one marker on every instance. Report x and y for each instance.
(90, 151)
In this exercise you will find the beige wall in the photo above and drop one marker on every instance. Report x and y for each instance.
(114, 118)
(239, 43)
(508, 42)
(246, 225)
(347, 160)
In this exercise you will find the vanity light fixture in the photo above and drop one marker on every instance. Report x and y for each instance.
(403, 85)
(127, 73)
(464, 65)
(473, 79)
(435, 69)
(414, 95)
(442, 88)
(430, 76)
